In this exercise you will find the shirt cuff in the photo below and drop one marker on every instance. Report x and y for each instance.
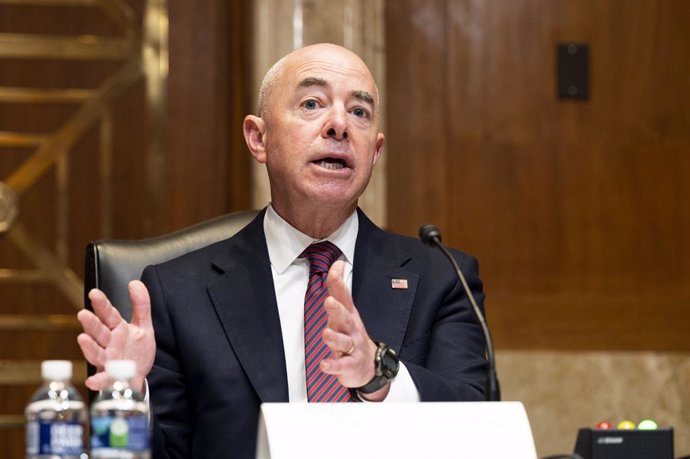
(403, 389)
(146, 400)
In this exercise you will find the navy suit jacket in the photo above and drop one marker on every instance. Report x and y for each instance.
(219, 347)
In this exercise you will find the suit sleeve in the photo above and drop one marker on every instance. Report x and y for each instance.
(444, 350)
(170, 417)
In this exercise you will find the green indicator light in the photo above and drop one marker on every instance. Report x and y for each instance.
(647, 424)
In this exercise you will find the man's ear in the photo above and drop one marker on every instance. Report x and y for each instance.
(380, 139)
(254, 129)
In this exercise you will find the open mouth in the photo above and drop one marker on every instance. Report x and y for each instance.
(331, 163)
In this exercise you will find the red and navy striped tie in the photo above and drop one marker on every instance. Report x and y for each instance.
(321, 387)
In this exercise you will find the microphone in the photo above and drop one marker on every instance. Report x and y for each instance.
(431, 235)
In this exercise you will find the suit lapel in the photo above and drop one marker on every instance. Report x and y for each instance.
(385, 310)
(245, 301)
(244, 298)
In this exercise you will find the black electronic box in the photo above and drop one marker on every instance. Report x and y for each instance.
(624, 444)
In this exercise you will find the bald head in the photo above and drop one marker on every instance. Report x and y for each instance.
(318, 135)
(286, 64)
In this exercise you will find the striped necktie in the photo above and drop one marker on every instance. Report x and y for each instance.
(321, 387)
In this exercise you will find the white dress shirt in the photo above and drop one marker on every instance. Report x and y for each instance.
(290, 278)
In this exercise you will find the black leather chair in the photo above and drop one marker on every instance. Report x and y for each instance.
(111, 264)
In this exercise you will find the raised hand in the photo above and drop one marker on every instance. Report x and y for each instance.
(107, 336)
(347, 337)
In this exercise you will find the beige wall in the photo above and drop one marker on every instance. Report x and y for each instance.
(563, 391)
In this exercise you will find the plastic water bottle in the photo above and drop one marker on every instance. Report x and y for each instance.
(120, 417)
(55, 416)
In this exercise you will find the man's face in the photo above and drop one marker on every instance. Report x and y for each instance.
(321, 130)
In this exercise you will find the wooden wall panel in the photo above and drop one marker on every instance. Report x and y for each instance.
(208, 168)
(418, 127)
(577, 211)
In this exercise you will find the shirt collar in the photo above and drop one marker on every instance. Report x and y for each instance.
(286, 243)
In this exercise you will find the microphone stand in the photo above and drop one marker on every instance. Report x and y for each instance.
(431, 235)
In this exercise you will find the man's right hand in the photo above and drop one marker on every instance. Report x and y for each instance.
(107, 336)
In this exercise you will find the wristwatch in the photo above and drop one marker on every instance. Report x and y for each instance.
(387, 365)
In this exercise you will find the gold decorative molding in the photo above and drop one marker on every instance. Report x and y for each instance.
(11, 421)
(8, 276)
(131, 56)
(9, 207)
(49, 265)
(28, 372)
(82, 47)
(14, 139)
(65, 137)
(36, 96)
(52, 322)
(143, 56)
(52, 2)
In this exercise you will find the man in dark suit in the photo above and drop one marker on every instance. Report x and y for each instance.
(229, 319)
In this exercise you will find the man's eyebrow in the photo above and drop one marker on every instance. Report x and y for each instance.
(364, 96)
(360, 94)
(311, 81)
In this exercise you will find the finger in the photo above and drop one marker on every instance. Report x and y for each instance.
(93, 353)
(353, 370)
(336, 285)
(141, 304)
(339, 318)
(94, 328)
(338, 366)
(98, 381)
(103, 309)
(340, 343)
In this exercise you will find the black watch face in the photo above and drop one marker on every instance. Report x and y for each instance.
(389, 364)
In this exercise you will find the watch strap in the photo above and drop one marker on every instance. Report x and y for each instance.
(382, 376)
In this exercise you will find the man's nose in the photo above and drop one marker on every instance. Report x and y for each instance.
(336, 125)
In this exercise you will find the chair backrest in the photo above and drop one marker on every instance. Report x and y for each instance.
(111, 264)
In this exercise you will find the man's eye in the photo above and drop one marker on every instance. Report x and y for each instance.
(359, 112)
(310, 104)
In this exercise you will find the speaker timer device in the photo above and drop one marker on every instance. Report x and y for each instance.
(624, 444)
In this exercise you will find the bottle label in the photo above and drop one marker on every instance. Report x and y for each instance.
(54, 437)
(130, 433)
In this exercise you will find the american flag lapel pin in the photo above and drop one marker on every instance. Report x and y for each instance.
(399, 283)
